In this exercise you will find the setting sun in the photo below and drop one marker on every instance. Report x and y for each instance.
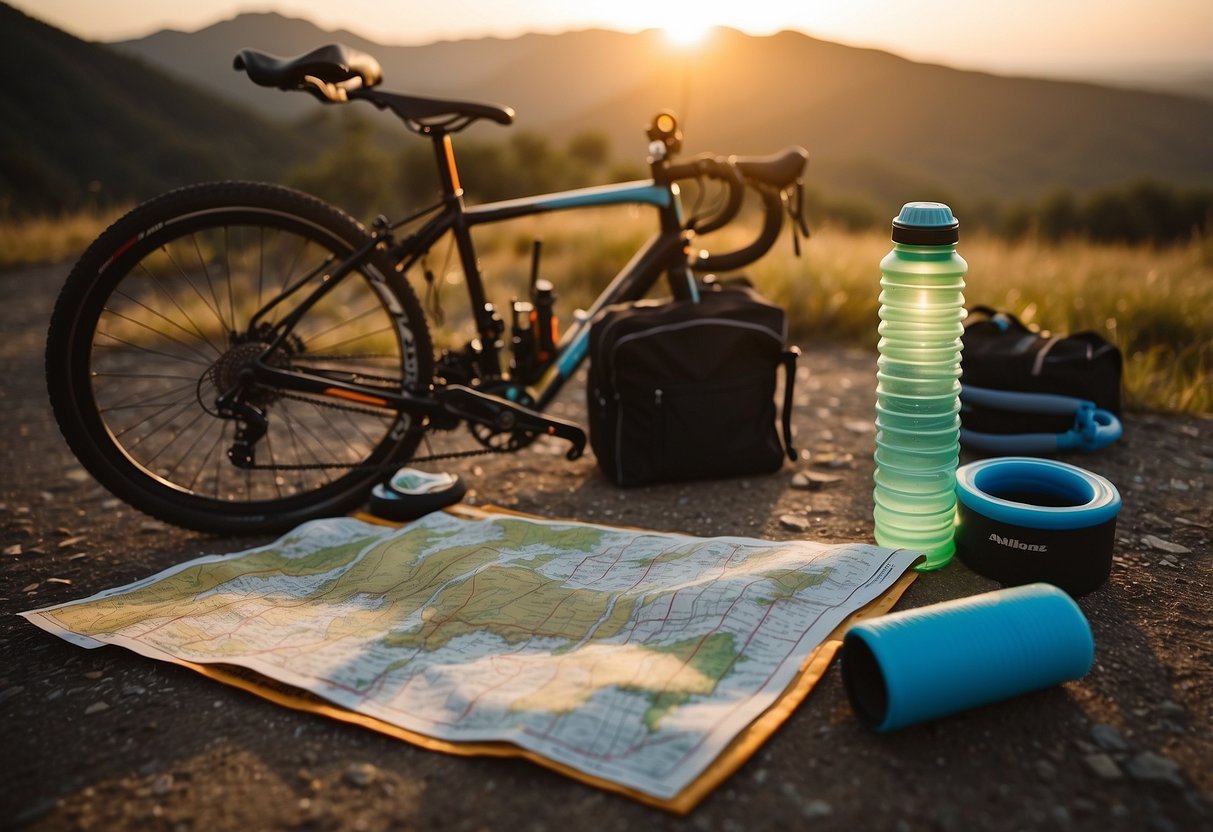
(687, 32)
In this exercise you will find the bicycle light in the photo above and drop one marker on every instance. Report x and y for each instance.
(664, 130)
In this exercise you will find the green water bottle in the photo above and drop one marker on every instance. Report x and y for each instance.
(918, 384)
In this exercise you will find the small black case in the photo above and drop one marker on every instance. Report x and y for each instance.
(683, 390)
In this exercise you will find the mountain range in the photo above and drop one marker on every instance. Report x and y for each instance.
(877, 125)
(81, 122)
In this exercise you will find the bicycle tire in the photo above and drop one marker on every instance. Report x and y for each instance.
(154, 320)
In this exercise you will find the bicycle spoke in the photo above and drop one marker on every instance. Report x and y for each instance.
(154, 431)
(344, 322)
(210, 284)
(142, 349)
(164, 335)
(172, 298)
(273, 480)
(213, 310)
(260, 263)
(166, 319)
(227, 259)
(172, 470)
(148, 402)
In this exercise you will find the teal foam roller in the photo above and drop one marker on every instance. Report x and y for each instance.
(921, 664)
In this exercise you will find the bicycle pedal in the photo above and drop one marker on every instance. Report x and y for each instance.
(502, 415)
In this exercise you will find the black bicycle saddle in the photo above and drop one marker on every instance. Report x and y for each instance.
(333, 65)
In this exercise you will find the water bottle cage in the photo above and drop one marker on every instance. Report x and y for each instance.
(1093, 428)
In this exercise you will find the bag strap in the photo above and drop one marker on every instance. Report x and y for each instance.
(788, 360)
(1093, 428)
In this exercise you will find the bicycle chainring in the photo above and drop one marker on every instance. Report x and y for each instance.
(503, 441)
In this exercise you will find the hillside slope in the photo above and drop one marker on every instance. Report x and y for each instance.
(875, 123)
(85, 123)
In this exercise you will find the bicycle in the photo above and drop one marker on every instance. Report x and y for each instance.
(238, 357)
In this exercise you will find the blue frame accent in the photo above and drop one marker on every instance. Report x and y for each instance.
(644, 192)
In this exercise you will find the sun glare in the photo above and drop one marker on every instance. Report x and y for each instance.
(686, 32)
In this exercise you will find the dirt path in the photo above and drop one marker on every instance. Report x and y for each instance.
(104, 739)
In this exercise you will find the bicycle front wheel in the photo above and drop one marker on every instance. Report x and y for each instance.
(165, 312)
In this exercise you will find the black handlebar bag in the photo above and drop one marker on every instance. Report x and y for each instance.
(684, 390)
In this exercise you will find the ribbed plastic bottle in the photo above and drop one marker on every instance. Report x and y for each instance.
(918, 384)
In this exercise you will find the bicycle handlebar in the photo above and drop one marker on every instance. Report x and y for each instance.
(777, 180)
(772, 224)
(713, 167)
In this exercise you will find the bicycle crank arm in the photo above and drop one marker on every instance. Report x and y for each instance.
(504, 416)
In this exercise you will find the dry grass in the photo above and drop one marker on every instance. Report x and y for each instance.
(33, 240)
(1156, 305)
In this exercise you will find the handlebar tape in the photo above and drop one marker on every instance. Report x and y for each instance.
(772, 224)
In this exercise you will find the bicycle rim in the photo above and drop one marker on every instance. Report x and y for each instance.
(170, 326)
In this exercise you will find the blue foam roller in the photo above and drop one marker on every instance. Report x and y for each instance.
(921, 664)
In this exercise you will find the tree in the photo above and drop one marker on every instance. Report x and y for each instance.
(354, 175)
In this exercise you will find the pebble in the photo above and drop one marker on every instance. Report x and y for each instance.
(830, 459)
(794, 522)
(813, 481)
(1108, 738)
(69, 542)
(162, 785)
(1083, 806)
(1168, 707)
(14, 550)
(1046, 771)
(150, 767)
(96, 708)
(817, 809)
(1151, 767)
(360, 774)
(1160, 545)
(1103, 766)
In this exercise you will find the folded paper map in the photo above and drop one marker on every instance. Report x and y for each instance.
(639, 661)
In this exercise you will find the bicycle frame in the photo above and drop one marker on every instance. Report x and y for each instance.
(666, 252)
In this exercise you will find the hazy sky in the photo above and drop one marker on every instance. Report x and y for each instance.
(996, 34)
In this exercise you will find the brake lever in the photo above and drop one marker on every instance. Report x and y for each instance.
(793, 200)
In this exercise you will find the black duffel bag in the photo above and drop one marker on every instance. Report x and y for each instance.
(682, 390)
(1028, 391)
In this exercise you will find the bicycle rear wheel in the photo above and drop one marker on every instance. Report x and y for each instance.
(160, 317)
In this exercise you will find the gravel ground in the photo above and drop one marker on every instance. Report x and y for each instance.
(105, 739)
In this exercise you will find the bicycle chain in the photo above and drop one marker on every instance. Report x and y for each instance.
(314, 466)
